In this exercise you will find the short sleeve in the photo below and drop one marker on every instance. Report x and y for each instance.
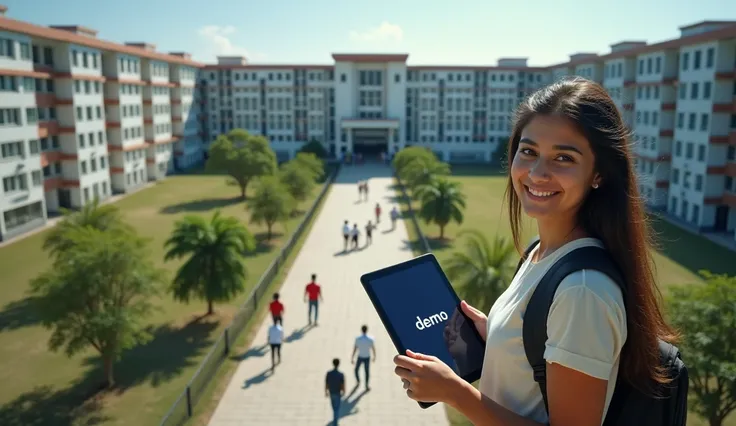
(586, 326)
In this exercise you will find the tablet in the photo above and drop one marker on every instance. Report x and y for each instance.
(421, 312)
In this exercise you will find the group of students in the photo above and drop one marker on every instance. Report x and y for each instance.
(351, 236)
(335, 380)
(312, 296)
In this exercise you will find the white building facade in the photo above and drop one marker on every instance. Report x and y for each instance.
(82, 118)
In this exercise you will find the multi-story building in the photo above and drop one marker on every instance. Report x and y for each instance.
(97, 117)
(678, 98)
(82, 118)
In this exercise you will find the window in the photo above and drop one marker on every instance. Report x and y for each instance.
(80, 114)
(699, 182)
(83, 164)
(31, 115)
(706, 89)
(7, 48)
(696, 59)
(80, 138)
(343, 77)
(694, 90)
(704, 119)
(25, 51)
(701, 152)
(685, 61)
(11, 150)
(710, 57)
(15, 183)
(36, 178)
(34, 146)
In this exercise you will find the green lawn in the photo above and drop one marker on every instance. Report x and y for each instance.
(679, 257)
(41, 387)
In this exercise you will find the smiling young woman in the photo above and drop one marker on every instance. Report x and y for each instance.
(571, 171)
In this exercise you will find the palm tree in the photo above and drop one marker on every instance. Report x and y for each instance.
(92, 215)
(214, 270)
(441, 201)
(422, 171)
(483, 270)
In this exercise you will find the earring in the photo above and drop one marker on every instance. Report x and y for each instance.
(595, 186)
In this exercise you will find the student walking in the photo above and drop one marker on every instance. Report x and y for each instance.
(369, 233)
(275, 338)
(360, 190)
(378, 213)
(313, 295)
(277, 310)
(394, 217)
(335, 389)
(345, 235)
(365, 189)
(355, 233)
(571, 169)
(364, 345)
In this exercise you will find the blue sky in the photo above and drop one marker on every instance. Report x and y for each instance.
(471, 32)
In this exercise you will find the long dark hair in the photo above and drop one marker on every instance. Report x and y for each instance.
(612, 213)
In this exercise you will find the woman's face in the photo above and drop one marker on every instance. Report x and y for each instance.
(553, 169)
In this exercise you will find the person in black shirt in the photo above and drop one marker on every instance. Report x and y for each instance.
(335, 388)
(369, 233)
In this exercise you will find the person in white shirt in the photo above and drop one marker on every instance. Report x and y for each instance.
(364, 345)
(345, 235)
(275, 338)
(572, 171)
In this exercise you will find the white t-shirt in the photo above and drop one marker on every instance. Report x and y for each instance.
(364, 343)
(275, 334)
(345, 230)
(355, 232)
(586, 330)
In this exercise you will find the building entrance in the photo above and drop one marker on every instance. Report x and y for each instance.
(370, 142)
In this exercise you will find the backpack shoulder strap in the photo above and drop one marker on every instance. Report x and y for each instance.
(528, 250)
(537, 311)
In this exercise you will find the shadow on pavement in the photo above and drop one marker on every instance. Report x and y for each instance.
(258, 378)
(250, 353)
(348, 406)
(298, 333)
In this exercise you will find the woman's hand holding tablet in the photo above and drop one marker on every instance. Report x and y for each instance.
(423, 314)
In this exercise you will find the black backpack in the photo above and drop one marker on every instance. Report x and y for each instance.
(628, 406)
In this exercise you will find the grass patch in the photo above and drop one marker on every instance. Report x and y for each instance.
(679, 256)
(49, 388)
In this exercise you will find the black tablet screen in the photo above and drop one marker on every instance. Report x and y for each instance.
(425, 316)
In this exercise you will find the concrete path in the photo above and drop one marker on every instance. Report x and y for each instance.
(294, 393)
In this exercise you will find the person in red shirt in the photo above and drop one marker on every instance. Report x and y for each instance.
(277, 310)
(313, 293)
(378, 213)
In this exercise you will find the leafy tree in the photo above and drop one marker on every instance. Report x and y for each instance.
(311, 163)
(297, 180)
(98, 293)
(270, 204)
(441, 201)
(92, 215)
(214, 269)
(706, 316)
(314, 147)
(422, 171)
(483, 270)
(409, 155)
(242, 157)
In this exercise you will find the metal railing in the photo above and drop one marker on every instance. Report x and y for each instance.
(423, 243)
(183, 408)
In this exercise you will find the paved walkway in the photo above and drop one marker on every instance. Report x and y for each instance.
(294, 393)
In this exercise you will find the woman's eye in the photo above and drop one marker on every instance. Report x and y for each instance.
(564, 158)
(526, 151)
